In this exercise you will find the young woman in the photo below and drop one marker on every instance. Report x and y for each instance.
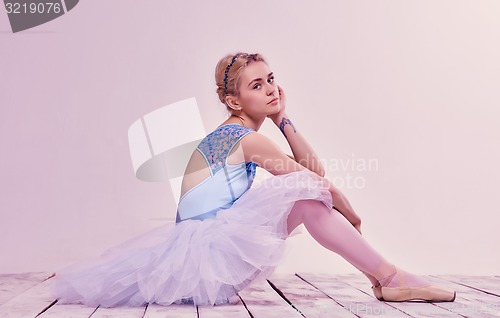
(227, 233)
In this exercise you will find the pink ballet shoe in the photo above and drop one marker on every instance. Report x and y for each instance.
(430, 293)
(377, 291)
(376, 288)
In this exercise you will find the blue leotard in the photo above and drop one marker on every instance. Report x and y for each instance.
(226, 183)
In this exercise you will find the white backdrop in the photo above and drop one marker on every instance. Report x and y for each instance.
(400, 98)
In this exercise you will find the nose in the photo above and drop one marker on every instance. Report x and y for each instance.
(271, 89)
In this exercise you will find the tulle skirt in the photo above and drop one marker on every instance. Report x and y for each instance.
(200, 262)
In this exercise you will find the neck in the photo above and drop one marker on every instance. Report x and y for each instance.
(249, 122)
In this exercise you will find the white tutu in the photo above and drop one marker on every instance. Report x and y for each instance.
(200, 262)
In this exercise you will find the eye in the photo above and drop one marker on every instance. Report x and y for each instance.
(270, 79)
(256, 86)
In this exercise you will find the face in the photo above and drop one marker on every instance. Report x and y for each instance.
(258, 91)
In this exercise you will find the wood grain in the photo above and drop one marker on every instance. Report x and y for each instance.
(263, 302)
(301, 295)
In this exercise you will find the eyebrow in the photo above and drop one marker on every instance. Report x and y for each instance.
(260, 79)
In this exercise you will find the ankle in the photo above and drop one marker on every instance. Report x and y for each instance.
(401, 278)
(386, 272)
(372, 279)
(386, 281)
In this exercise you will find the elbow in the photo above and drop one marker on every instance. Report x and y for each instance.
(320, 169)
(321, 172)
(317, 168)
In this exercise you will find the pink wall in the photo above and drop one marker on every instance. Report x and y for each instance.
(412, 86)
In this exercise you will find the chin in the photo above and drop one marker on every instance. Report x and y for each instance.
(276, 108)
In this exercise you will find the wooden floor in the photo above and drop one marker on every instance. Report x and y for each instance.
(299, 295)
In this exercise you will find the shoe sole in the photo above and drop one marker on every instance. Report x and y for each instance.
(428, 294)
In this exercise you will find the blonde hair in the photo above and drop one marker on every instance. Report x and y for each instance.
(230, 85)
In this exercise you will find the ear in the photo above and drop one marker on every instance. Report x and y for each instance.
(233, 102)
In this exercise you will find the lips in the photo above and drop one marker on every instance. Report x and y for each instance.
(273, 100)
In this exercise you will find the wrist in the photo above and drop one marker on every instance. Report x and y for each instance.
(285, 121)
(277, 120)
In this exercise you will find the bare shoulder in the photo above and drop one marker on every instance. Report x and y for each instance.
(267, 154)
(256, 142)
(255, 137)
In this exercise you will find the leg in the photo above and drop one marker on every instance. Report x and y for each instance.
(343, 206)
(295, 219)
(334, 232)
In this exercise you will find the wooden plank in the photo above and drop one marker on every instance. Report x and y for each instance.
(361, 282)
(172, 311)
(237, 310)
(27, 295)
(29, 303)
(68, 311)
(122, 312)
(263, 302)
(308, 300)
(152, 311)
(12, 285)
(470, 302)
(456, 308)
(358, 302)
(486, 284)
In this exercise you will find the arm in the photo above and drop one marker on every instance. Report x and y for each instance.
(307, 157)
(342, 205)
(265, 153)
(303, 153)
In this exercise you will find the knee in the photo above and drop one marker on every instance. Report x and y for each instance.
(307, 212)
(312, 208)
(299, 209)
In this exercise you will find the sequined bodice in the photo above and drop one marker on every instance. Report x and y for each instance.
(226, 183)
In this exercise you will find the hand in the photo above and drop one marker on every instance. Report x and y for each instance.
(276, 118)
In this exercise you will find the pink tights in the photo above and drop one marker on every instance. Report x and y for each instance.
(332, 230)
